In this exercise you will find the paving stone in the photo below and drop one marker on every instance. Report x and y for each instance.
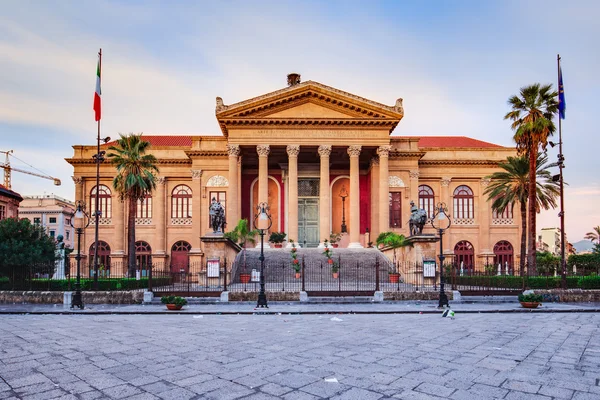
(556, 392)
(324, 389)
(122, 391)
(436, 390)
(521, 386)
(177, 394)
(292, 379)
(514, 395)
(357, 394)
(275, 389)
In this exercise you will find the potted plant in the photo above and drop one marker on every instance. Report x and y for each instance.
(335, 268)
(530, 300)
(173, 302)
(295, 261)
(394, 241)
(277, 239)
(394, 276)
(334, 239)
(241, 234)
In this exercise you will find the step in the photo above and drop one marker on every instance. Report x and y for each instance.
(489, 299)
(340, 300)
(193, 300)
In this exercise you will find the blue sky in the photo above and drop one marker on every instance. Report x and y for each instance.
(454, 63)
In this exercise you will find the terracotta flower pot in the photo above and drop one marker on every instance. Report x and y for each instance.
(330, 261)
(174, 307)
(529, 304)
(335, 245)
(394, 278)
(335, 275)
(244, 278)
(298, 275)
(278, 245)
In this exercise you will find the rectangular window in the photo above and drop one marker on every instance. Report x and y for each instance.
(67, 235)
(506, 214)
(37, 220)
(221, 198)
(52, 220)
(52, 233)
(395, 210)
(68, 221)
(144, 208)
(2, 212)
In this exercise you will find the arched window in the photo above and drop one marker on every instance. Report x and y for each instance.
(463, 203)
(143, 256)
(504, 256)
(464, 256)
(103, 259)
(427, 200)
(144, 207)
(181, 202)
(104, 201)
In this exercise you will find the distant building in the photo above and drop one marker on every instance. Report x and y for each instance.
(9, 203)
(571, 249)
(52, 212)
(551, 238)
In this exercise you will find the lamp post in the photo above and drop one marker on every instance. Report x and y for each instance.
(440, 222)
(343, 194)
(80, 221)
(262, 222)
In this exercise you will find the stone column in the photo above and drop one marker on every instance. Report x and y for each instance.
(232, 191)
(239, 169)
(445, 197)
(384, 188)
(263, 173)
(324, 231)
(354, 152)
(78, 189)
(484, 219)
(292, 150)
(196, 251)
(159, 219)
(374, 228)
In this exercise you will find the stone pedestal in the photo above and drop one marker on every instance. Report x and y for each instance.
(423, 247)
(217, 246)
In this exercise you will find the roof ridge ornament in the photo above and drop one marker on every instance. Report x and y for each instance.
(293, 78)
(220, 105)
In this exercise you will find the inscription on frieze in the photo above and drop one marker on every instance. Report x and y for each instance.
(313, 133)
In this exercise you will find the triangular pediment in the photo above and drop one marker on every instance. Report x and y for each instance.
(309, 100)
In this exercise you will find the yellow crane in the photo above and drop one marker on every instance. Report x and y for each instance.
(8, 169)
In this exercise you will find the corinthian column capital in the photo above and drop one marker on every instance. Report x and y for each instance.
(77, 180)
(384, 151)
(233, 150)
(324, 150)
(354, 150)
(263, 150)
(293, 150)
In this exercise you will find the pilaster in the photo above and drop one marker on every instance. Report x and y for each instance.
(384, 189)
(232, 191)
(354, 153)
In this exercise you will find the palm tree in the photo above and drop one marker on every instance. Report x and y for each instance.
(135, 179)
(394, 241)
(532, 113)
(594, 235)
(511, 186)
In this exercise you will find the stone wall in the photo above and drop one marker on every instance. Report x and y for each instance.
(569, 295)
(415, 295)
(253, 296)
(115, 297)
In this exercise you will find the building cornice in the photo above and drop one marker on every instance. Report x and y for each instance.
(459, 162)
(406, 154)
(83, 161)
(207, 153)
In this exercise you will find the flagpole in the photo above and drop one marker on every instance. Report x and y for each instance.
(561, 158)
(98, 159)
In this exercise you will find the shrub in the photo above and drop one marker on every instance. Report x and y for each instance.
(589, 282)
(277, 237)
(530, 298)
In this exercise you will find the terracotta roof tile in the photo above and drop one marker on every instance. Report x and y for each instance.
(454, 141)
(164, 140)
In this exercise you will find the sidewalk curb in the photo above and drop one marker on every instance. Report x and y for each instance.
(325, 312)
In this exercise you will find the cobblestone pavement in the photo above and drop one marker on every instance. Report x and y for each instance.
(475, 356)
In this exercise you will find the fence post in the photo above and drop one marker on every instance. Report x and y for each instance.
(377, 274)
(303, 286)
(150, 268)
(225, 274)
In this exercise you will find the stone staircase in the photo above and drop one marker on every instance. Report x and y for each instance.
(355, 264)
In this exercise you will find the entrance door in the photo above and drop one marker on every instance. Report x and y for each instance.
(308, 222)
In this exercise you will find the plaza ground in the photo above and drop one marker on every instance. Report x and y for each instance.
(303, 356)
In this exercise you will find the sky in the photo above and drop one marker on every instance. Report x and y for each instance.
(455, 64)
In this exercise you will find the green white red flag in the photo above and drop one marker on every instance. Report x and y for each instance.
(97, 101)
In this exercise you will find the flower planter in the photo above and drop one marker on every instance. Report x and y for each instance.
(335, 275)
(394, 278)
(335, 245)
(529, 304)
(278, 245)
(298, 275)
(174, 307)
(244, 278)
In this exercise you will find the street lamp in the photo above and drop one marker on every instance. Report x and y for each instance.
(80, 221)
(440, 222)
(98, 159)
(343, 194)
(262, 222)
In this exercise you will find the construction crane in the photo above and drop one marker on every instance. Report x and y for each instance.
(8, 169)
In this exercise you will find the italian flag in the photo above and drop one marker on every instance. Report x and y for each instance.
(97, 102)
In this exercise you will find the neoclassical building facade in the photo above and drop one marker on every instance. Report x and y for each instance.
(324, 160)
